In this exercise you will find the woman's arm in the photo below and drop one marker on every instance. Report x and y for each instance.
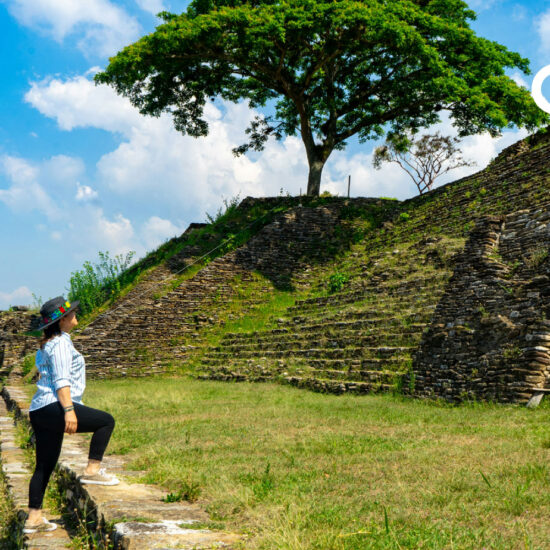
(64, 396)
(61, 360)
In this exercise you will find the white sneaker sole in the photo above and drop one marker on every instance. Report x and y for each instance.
(91, 482)
(51, 527)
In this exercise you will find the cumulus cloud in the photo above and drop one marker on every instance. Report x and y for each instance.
(100, 26)
(116, 235)
(393, 181)
(78, 103)
(24, 193)
(85, 193)
(156, 230)
(182, 178)
(152, 6)
(542, 24)
(21, 296)
(517, 77)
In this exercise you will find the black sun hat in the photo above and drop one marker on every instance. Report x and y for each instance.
(54, 309)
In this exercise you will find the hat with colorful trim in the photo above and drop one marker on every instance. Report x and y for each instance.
(54, 309)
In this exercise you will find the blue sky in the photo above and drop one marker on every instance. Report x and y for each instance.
(81, 171)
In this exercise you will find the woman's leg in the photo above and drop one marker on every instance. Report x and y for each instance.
(102, 425)
(47, 428)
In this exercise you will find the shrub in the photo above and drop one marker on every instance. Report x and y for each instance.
(96, 283)
(404, 216)
(230, 207)
(337, 281)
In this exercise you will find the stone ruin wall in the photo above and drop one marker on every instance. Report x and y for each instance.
(489, 338)
(14, 343)
(278, 251)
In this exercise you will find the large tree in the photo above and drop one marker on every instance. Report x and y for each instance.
(331, 68)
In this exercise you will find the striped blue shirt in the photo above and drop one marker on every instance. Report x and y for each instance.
(59, 365)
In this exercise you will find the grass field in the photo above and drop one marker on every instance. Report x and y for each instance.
(299, 470)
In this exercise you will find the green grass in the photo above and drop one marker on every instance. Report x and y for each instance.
(300, 470)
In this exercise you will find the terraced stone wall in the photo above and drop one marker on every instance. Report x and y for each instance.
(143, 336)
(14, 343)
(490, 335)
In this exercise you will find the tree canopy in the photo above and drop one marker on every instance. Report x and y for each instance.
(331, 69)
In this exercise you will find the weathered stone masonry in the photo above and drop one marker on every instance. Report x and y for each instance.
(145, 327)
(490, 334)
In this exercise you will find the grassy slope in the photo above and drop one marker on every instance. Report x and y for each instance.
(300, 470)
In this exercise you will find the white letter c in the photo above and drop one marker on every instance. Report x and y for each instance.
(536, 89)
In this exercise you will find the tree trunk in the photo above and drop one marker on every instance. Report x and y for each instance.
(314, 178)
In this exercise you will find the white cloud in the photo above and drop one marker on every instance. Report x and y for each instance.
(115, 235)
(61, 170)
(182, 178)
(542, 24)
(25, 193)
(78, 103)
(152, 6)
(100, 26)
(517, 77)
(392, 181)
(19, 297)
(157, 230)
(85, 193)
(482, 5)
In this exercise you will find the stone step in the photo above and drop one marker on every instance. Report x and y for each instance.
(18, 475)
(331, 326)
(336, 386)
(119, 511)
(333, 341)
(379, 301)
(358, 352)
(394, 363)
(399, 289)
(385, 377)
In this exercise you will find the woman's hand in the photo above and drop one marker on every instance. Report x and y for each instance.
(71, 422)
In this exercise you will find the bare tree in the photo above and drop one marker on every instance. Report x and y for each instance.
(425, 159)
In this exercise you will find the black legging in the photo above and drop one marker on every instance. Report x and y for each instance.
(48, 424)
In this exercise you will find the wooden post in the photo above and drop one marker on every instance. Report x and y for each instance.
(349, 183)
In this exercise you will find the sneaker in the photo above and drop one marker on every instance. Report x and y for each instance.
(40, 528)
(101, 478)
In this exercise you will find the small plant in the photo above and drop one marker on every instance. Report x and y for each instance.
(468, 194)
(404, 216)
(337, 281)
(230, 206)
(189, 491)
(511, 352)
(37, 301)
(28, 363)
(535, 256)
(483, 312)
(265, 484)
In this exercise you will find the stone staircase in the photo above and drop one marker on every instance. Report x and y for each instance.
(128, 516)
(359, 340)
(145, 334)
(18, 475)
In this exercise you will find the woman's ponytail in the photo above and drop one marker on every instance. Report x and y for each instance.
(50, 332)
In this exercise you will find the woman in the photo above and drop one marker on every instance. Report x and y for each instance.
(57, 408)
